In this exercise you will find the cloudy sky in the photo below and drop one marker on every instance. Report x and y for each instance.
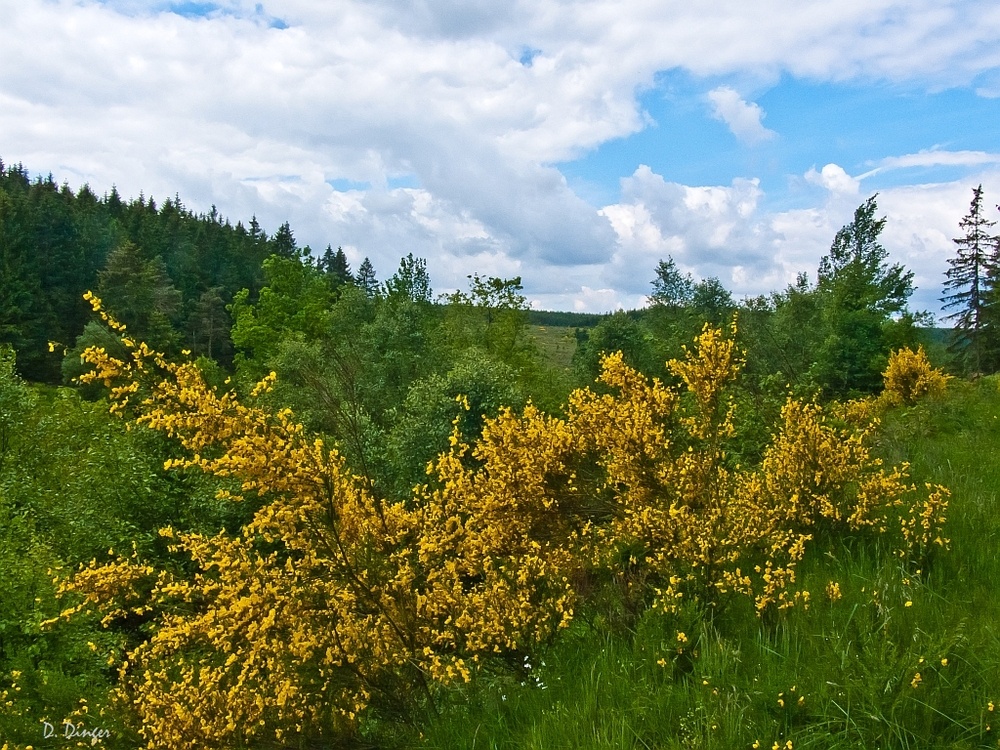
(573, 143)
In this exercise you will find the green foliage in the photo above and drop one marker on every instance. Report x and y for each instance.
(491, 315)
(681, 306)
(711, 302)
(54, 242)
(294, 301)
(475, 388)
(75, 485)
(840, 674)
(208, 325)
(94, 335)
(834, 337)
(410, 283)
(284, 243)
(383, 370)
(859, 293)
(779, 335)
(672, 289)
(617, 333)
(336, 267)
(138, 291)
(16, 402)
(563, 319)
(44, 674)
(366, 279)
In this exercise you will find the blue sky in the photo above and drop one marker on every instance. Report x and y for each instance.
(855, 125)
(573, 143)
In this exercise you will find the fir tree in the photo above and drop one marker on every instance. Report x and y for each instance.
(336, 267)
(283, 243)
(970, 287)
(366, 278)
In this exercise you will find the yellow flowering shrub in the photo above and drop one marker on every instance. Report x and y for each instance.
(329, 599)
(909, 377)
(687, 523)
(332, 599)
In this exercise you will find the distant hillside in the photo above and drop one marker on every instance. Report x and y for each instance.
(564, 319)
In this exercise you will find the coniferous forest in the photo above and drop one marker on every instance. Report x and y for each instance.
(252, 497)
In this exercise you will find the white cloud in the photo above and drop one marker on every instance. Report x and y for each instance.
(833, 178)
(935, 158)
(741, 117)
(724, 231)
(707, 230)
(232, 109)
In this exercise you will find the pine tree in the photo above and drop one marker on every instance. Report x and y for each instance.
(336, 267)
(970, 287)
(283, 243)
(366, 278)
(861, 294)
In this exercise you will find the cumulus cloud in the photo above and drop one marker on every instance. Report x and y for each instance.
(833, 178)
(728, 232)
(262, 108)
(707, 230)
(743, 118)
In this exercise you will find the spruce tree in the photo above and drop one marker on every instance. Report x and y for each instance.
(283, 243)
(366, 278)
(336, 267)
(971, 289)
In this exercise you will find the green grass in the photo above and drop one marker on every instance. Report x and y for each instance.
(842, 674)
(556, 343)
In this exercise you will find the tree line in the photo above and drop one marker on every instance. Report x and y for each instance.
(182, 280)
(170, 271)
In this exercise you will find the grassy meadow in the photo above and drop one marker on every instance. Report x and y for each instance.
(556, 343)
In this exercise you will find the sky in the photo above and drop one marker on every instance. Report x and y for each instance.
(573, 143)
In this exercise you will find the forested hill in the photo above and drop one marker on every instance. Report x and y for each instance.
(55, 243)
(197, 282)
(181, 269)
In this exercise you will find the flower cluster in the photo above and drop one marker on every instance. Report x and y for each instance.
(910, 377)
